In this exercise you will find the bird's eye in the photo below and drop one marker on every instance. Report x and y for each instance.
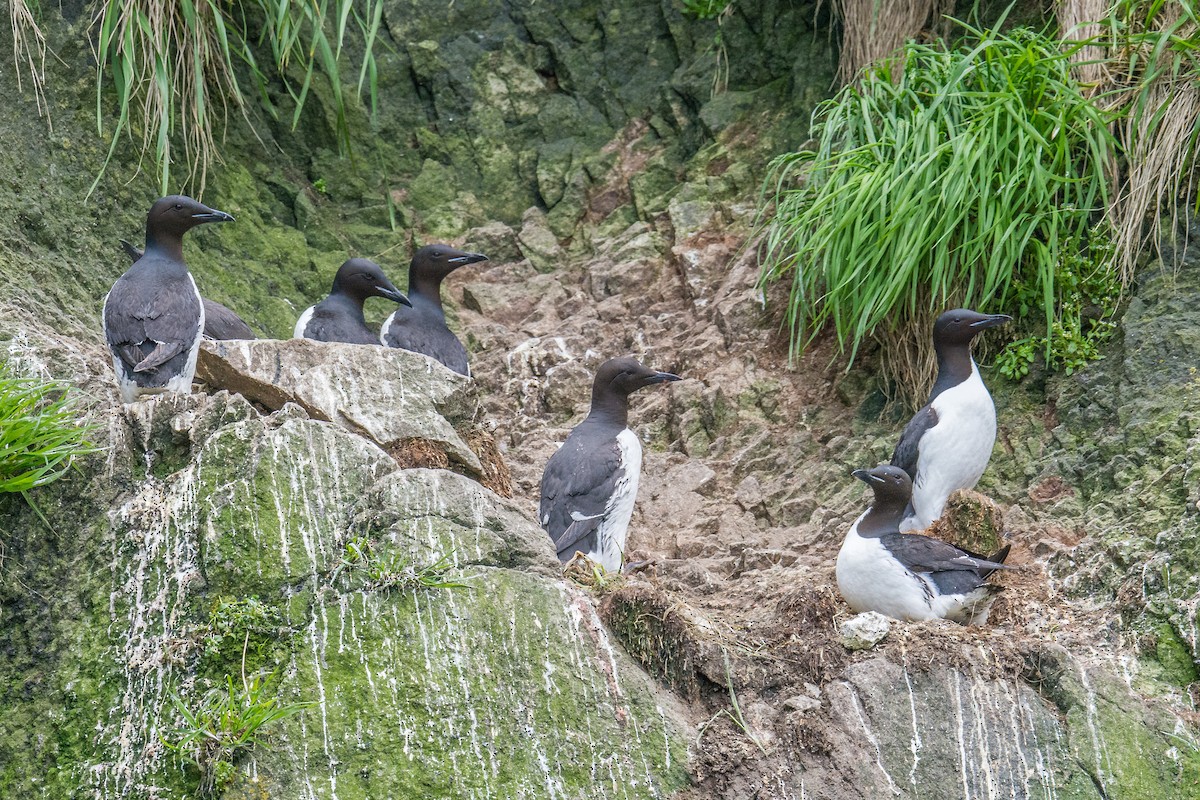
(179, 206)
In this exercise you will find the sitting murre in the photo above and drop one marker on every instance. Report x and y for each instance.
(153, 316)
(908, 576)
(590, 483)
(947, 444)
(422, 328)
(339, 317)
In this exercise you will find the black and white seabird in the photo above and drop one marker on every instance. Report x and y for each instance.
(153, 316)
(946, 446)
(591, 482)
(220, 322)
(908, 576)
(422, 328)
(339, 317)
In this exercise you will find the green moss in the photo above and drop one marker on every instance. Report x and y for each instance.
(1175, 657)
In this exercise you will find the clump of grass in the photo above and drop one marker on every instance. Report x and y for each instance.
(40, 432)
(938, 180)
(372, 568)
(1153, 81)
(225, 722)
(174, 67)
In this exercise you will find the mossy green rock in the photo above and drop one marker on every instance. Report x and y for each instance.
(502, 689)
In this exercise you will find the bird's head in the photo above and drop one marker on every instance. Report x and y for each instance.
(361, 278)
(177, 214)
(435, 261)
(626, 375)
(961, 325)
(889, 483)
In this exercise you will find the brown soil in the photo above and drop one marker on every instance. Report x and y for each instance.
(745, 493)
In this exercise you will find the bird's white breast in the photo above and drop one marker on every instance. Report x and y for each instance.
(387, 323)
(870, 579)
(619, 510)
(302, 323)
(953, 453)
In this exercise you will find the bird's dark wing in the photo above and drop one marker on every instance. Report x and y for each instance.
(925, 554)
(149, 323)
(906, 452)
(221, 323)
(576, 488)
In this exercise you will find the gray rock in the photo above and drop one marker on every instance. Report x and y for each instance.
(864, 631)
(385, 394)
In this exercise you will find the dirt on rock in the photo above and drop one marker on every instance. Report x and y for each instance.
(745, 494)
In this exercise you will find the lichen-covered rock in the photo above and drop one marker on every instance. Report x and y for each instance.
(385, 394)
(500, 689)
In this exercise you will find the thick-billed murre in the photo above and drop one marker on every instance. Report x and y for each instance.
(153, 316)
(947, 444)
(422, 328)
(909, 576)
(590, 483)
(339, 317)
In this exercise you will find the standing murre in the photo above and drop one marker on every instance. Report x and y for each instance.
(590, 483)
(220, 322)
(947, 444)
(422, 328)
(908, 576)
(153, 316)
(339, 317)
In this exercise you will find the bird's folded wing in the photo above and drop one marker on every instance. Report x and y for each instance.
(576, 491)
(924, 554)
(907, 449)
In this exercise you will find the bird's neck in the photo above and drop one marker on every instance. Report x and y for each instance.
(349, 303)
(426, 288)
(882, 517)
(168, 245)
(609, 409)
(955, 365)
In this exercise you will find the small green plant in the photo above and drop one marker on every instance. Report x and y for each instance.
(320, 186)
(374, 569)
(40, 432)
(225, 722)
(1088, 288)
(705, 9)
(940, 179)
(734, 712)
(239, 627)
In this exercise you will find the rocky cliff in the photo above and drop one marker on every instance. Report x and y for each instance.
(294, 519)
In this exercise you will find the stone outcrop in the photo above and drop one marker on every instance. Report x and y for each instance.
(505, 685)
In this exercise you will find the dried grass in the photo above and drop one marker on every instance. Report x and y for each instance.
(1154, 80)
(29, 46)
(874, 30)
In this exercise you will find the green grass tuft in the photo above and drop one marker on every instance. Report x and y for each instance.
(223, 723)
(177, 67)
(941, 179)
(40, 432)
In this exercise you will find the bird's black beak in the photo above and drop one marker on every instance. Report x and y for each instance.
(866, 476)
(992, 321)
(212, 215)
(468, 258)
(662, 377)
(392, 293)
